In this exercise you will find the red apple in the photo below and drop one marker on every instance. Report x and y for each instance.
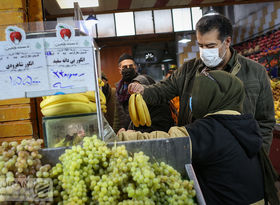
(15, 36)
(65, 32)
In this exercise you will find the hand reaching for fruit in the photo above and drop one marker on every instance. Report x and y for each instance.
(135, 88)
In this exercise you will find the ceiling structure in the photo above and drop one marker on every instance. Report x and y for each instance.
(53, 11)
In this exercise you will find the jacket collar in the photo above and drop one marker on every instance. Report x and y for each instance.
(234, 62)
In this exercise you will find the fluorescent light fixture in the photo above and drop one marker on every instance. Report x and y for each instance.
(125, 24)
(184, 40)
(69, 4)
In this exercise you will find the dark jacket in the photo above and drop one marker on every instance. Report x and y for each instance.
(110, 104)
(160, 113)
(258, 96)
(225, 159)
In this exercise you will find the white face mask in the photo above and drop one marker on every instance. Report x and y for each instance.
(210, 56)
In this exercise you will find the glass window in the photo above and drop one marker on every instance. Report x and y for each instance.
(182, 19)
(144, 22)
(105, 25)
(125, 24)
(196, 15)
(67, 20)
(163, 21)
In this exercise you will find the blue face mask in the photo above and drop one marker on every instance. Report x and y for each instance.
(190, 103)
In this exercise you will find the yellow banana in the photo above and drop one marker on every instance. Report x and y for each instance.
(103, 108)
(140, 109)
(68, 108)
(100, 82)
(55, 99)
(273, 84)
(132, 110)
(102, 97)
(146, 112)
(90, 95)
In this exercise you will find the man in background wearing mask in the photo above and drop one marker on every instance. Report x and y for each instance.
(160, 114)
(214, 36)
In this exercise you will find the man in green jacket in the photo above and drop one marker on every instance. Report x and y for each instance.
(214, 35)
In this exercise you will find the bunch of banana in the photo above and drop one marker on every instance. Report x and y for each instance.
(72, 103)
(66, 105)
(138, 111)
(91, 96)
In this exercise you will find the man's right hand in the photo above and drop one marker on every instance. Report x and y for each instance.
(135, 88)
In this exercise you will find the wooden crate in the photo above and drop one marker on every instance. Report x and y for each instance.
(15, 101)
(15, 112)
(9, 17)
(11, 4)
(16, 128)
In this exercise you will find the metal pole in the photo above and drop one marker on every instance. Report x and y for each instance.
(98, 58)
(97, 96)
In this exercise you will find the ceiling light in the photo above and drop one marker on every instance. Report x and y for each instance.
(167, 57)
(69, 4)
(90, 21)
(184, 40)
(92, 18)
(211, 12)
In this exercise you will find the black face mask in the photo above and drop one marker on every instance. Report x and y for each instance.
(128, 74)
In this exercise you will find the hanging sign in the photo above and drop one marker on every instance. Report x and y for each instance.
(22, 64)
(69, 59)
(45, 66)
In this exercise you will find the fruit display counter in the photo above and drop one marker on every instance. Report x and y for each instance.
(69, 130)
(264, 49)
(124, 172)
(155, 171)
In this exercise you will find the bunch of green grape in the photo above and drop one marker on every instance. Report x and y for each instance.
(20, 167)
(96, 174)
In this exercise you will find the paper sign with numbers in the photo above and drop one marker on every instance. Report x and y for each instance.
(22, 65)
(69, 60)
(45, 66)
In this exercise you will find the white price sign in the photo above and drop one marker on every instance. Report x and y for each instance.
(40, 67)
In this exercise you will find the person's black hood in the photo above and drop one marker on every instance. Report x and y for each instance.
(245, 129)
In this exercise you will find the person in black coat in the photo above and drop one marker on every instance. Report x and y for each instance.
(160, 113)
(225, 143)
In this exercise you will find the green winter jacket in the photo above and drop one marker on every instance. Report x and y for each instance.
(258, 96)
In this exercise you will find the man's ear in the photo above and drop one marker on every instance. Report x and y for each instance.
(228, 41)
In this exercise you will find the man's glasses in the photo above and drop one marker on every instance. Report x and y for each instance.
(128, 66)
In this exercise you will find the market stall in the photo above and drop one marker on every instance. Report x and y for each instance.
(155, 171)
